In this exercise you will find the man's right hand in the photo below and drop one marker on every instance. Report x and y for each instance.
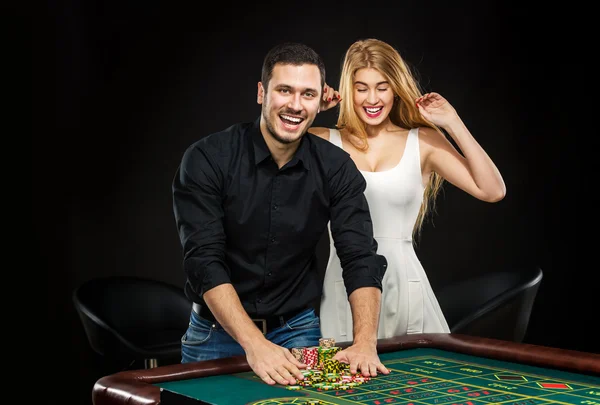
(274, 364)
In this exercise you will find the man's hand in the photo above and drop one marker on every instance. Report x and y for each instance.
(330, 98)
(274, 364)
(363, 358)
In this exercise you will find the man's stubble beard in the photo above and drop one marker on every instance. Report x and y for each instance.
(273, 132)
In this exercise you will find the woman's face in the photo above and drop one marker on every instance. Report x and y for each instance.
(372, 96)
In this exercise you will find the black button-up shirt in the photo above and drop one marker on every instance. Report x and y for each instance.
(244, 221)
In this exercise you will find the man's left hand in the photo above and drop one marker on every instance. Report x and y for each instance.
(363, 358)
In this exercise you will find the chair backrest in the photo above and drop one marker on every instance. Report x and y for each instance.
(495, 305)
(132, 316)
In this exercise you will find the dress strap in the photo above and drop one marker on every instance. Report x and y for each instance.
(335, 137)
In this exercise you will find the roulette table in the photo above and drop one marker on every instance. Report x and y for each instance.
(426, 369)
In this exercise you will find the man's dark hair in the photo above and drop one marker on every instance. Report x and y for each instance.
(290, 53)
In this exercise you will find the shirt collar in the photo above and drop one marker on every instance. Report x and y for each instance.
(261, 151)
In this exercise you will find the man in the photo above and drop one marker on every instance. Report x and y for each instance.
(251, 203)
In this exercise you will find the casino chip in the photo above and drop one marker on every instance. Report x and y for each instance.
(323, 372)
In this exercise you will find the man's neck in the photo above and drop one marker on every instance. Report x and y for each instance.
(282, 153)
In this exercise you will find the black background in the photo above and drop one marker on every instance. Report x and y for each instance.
(132, 84)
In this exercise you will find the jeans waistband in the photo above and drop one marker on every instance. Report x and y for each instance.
(264, 324)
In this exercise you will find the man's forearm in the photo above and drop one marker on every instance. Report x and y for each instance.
(365, 303)
(226, 307)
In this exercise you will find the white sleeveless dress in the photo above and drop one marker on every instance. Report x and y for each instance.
(408, 303)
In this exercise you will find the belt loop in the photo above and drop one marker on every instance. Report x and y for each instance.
(264, 325)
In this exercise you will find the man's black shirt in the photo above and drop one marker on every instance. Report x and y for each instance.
(243, 221)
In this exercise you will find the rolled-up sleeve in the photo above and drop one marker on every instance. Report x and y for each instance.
(197, 205)
(352, 230)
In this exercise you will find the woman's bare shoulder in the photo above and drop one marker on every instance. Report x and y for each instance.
(321, 132)
(432, 137)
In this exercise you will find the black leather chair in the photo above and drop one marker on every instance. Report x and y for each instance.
(494, 305)
(131, 319)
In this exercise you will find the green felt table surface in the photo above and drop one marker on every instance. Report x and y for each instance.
(421, 376)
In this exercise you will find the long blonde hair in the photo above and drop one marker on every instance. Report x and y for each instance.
(376, 54)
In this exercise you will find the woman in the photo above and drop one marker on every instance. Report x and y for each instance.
(393, 134)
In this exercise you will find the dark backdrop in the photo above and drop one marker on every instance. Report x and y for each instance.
(132, 84)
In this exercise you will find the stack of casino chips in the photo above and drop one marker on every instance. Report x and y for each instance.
(323, 372)
(298, 353)
(315, 356)
(327, 342)
(325, 381)
(310, 356)
(331, 366)
(327, 349)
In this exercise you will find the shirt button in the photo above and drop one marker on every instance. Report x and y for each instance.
(259, 300)
(269, 274)
(272, 240)
(275, 207)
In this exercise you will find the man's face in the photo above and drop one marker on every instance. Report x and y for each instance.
(291, 101)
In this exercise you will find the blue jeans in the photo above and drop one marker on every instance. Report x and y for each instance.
(203, 341)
